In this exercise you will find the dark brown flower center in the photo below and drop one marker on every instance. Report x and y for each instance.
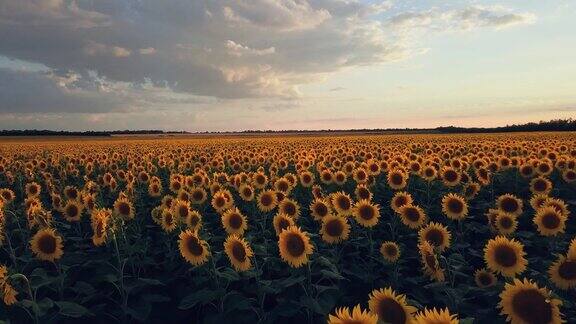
(194, 246)
(390, 311)
(334, 227)
(532, 307)
(455, 206)
(567, 270)
(47, 244)
(235, 221)
(238, 251)
(550, 220)
(505, 256)
(435, 237)
(295, 244)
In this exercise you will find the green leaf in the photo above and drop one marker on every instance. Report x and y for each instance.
(202, 297)
(331, 275)
(71, 309)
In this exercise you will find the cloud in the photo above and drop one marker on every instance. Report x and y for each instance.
(220, 48)
(461, 19)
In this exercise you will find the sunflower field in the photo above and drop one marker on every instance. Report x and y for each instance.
(316, 229)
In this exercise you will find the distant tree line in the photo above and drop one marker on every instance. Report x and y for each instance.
(558, 125)
(35, 132)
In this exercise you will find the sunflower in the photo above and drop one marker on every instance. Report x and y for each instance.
(71, 192)
(366, 213)
(72, 211)
(342, 204)
(334, 229)
(390, 306)
(357, 316)
(32, 189)
(7, 195)
(505, 256)
(319, 208)
(454, 207)
(484, 278)
(540, 185)
(569, 175)
(397, 179)
(289, 207)
(412, 216)
(168, 220)
(234, 222)
(549, 221)
(430, 264)
(510, 204)
(429, 173)
(450, 177)
(198, 195)
(572, 250)
(239, 252)
(167, 201)
(437, 235)
(295, 247)
(359, 175)
(246, 192)
(124, 208)
(563, 273)
(194, 220)
(433, 316)
(47, 245)
(282, 222)
(100, 222)
(557, 204)
(306, 179)
(400, 199)
(220, 203)
(192, 248)
(537, 201)
(525, 302)
(470, 190)
(180, 209)
(505, 223)
(390, 251)
(154, 189)
(362, 192)
(267, 200)
(326, 177)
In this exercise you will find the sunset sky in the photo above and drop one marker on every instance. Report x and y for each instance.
(218, 65)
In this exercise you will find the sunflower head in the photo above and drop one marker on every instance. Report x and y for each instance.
(267, 200)
(390, 251)
(549, 221)
(436, 234)
(397, 179)
(357, 316)
(400, 199)
(563, 273)
(334, 229)
(238, 252)
(234, 222)
(124, 208)
(510, 204)
(412, 216)
(525, 302)
(390, 306)
(505, 223)
(192, 248)
(366, 213)
(484, 278)
(454, 206)
(540, 185)
(430, 263)
(289, 207)
(295, 247)
(505, 256)
(72, 211)
(46, 244)
(282, 222)
(342, 203)
(433, 316)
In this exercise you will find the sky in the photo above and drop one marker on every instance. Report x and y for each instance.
(227, 65)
